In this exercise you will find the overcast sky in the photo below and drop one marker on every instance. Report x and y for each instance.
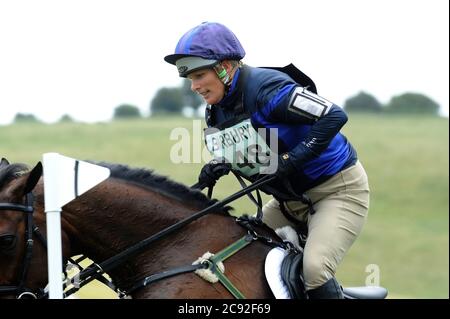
(86, 57)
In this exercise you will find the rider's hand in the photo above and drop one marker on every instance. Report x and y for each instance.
(285, 166)
(212, 171)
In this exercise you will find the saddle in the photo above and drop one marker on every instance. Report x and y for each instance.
(284, 266)
(292, 275)
(284, 274)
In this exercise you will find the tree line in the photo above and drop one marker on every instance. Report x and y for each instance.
(174, 100)
(411, 103)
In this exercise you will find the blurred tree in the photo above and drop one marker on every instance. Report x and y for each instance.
(363, 102)
(167, 101)
(25, 117)
(66, 118)
(191, 98)
(126, 111)
(412, 103)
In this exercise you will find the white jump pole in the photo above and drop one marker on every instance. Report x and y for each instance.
(65, 178)
(53, 220)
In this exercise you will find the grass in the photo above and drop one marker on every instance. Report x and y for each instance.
(407, 232)
(406, 159)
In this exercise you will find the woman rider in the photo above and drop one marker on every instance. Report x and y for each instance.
(313, 158)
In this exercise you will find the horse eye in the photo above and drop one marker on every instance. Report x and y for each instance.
(7, 242)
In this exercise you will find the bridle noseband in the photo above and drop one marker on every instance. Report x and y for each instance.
(20, 291)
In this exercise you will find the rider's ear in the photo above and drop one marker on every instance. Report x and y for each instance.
(4, 162)
(33, 178)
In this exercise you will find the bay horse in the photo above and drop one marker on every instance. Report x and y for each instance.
(131, 205)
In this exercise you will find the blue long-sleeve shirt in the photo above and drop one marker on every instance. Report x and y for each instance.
(308, 125)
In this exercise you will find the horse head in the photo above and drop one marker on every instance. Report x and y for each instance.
(22, 263)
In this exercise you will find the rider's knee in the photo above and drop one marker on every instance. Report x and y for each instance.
(272, 215)
(317, 270)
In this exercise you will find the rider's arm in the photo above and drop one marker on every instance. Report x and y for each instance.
(301, 107)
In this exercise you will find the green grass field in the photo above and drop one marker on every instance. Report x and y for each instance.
(406, 159)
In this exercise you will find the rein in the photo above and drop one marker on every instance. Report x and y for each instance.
(97, 270)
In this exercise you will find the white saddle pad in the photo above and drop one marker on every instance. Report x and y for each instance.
(272, 269)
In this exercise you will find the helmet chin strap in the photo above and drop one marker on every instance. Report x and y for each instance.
(223, 75)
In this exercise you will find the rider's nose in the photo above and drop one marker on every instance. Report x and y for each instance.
(195, 86)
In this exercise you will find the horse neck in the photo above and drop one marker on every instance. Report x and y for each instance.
(115, 215)
(110, 218)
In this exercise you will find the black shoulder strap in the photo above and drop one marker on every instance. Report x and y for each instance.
(297, 75)
(239, 106)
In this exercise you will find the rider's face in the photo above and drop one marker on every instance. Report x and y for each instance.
(206, 83)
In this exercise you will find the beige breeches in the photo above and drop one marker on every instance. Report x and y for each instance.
(341, 204)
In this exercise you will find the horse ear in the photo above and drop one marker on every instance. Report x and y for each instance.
(33, 178)
(4, 162)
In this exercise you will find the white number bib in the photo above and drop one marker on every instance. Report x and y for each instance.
(242, 146)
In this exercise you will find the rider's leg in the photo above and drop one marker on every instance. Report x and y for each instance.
(273, 216)
(341, 206)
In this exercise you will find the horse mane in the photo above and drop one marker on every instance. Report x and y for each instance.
(10, 172)
(160, 184)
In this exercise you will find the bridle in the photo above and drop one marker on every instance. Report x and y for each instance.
(20, 290)
(97, 270)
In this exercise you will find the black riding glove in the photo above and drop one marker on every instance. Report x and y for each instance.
(212, 171)
(285, 166)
